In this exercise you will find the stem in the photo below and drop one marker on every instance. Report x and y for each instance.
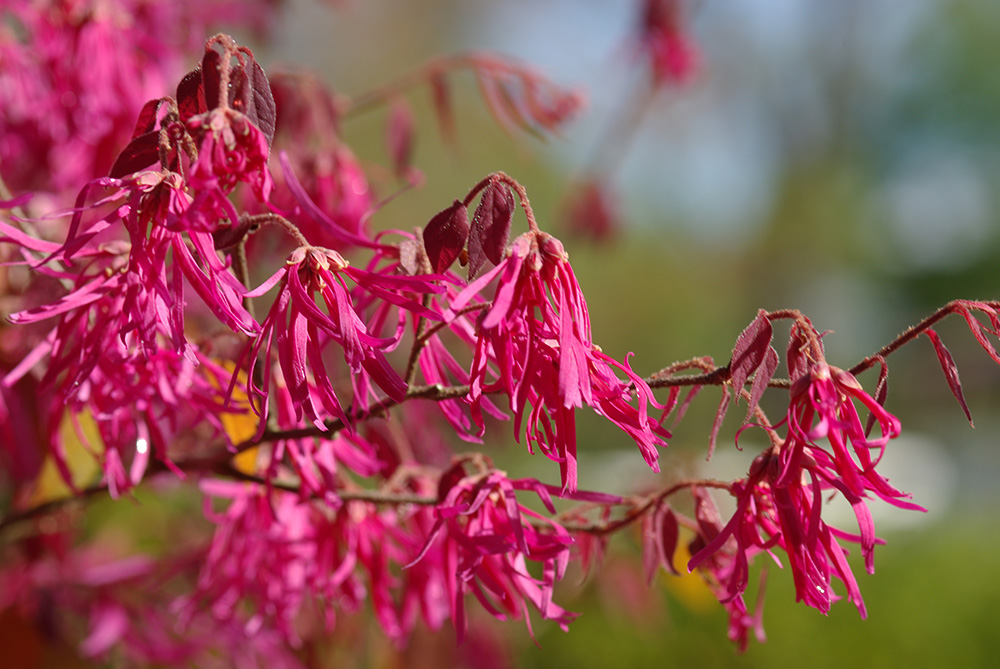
(912, 333)
(258, 220)
(645, 504)
(242, 271)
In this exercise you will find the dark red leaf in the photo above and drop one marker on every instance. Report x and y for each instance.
(240, 90)
(490, 91)
(765, 372)
(449, 478)
(442, 108)
(795, 357)
(490, 227)
(750, 350)
(977, 331)
(138, 154)
(668, 532)
(147, 118)
(511, 96)
(707, 514)
(720, 413)
(650, 552)
(211, 77)
(265, 110)
(191, 95)
(399, 136)
(950, 371)
(686, 404)
(445, 236)
(881, 392)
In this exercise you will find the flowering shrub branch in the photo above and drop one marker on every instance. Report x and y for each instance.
(311, 407)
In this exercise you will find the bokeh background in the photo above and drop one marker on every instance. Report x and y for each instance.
(836, 157)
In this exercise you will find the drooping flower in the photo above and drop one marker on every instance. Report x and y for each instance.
(779, 504)
(231, 149)
(538, 332)
(299, 330)
(483, 539)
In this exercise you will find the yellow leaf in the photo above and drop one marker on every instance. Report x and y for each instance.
(240, 426)
(82, 462)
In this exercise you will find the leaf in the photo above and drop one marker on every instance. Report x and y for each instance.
(950, 371)
(650, 552)
(211, 77)
(445, 236)
(668, 533)
(490, 227)
(977, 331)
(138, 154)
(147, 118)
(399, 136)
(442, 109)
(191, 95)
(78, 446)
(265, 110)
(448, 479)
(881, 392)
(717, 423)
(765, 372)
(707, 514)
(795, 358)
(750, 351)
(250, 94)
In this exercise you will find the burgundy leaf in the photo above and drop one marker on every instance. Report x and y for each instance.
(448, 479)
(490, 227)
(881, 392)
(950, 371)
(717, 423)
(147, 118)
(686, 404)
(977, 331)
(442, 108)
(668, 532)
(490, 91)
(707, 514)
(445, 236)
(191, 95)
(511, 98)
(765, 372)
(795, 357)
(240, 91)
(211, 77)
(750, 351)
(138, 154)
(265, 110)
(650, 552)
(399, 136)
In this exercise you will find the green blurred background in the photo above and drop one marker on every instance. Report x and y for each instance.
(836, 157)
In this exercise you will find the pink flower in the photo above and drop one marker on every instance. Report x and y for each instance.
(483, 538)
(230, 149)
(779, 504)
(301, 330)
(538, 332)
